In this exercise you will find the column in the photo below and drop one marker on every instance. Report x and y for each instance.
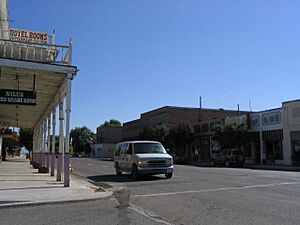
(40, 144)
(61, 139)
(261, 147)
(67, 148)
(53, 142)
(1, 149)
(33, 156)
(48, 142)
(44, 147)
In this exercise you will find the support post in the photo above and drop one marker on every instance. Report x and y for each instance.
(67, 147)
(43, 156)
(53, 142)
(0, 149)
(61, 139)
(48, 141)
(261, 148)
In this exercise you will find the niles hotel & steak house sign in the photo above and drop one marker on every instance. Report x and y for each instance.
(17, 97)
(28, 36)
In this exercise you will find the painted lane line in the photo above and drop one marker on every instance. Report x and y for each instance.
(148, 214)
(182, 177)
(216, 189)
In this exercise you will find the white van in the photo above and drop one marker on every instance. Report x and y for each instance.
(142, 157)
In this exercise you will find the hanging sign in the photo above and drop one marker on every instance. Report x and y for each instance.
(18, 97)
(28, 36)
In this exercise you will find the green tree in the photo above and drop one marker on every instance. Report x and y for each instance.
(158, 133)
(180, 138)
(26, 137)
(81, 137)
(231, 135)
(111, 123)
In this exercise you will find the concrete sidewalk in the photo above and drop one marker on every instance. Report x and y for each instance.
(20, 184)
(256, 166)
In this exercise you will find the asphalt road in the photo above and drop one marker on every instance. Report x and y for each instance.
(197, 195)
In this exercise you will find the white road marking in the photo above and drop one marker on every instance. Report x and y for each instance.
(182, 177)
(149, 215)
(216, 189)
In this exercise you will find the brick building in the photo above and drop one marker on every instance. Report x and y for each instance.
(106, 139)
(202, 120)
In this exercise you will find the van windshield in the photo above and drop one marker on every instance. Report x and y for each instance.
(147, 148)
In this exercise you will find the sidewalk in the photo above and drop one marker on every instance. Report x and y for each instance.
(20, 184)
(274, 167)
(256, 166)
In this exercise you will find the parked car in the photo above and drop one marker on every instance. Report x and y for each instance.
(228, 157)
(142, 157)
(178, 159)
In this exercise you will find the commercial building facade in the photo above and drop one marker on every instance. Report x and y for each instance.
(106, 139)
(200, 119)
(275, 135)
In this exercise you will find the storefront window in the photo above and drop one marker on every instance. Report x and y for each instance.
(295, 139)
(278, 150)
(248, 150)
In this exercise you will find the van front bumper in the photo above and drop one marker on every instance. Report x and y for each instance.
(155, 170)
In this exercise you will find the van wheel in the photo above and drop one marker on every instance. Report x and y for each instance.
(134, 173)
(118, 170)
(169, 175)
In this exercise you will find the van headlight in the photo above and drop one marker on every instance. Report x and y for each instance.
(141, 162)
(170, 162)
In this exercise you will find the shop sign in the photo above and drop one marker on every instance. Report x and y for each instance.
(18, 97)
(28, 36)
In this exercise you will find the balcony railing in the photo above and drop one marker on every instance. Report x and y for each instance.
(46, 53)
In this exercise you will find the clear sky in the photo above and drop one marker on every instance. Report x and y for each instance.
(139, 55)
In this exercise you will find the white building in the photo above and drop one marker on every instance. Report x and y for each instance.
(275, 135)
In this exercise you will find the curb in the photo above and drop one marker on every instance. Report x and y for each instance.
(20, 205)
(107, 194)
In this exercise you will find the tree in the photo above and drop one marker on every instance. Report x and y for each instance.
(26, 137)
(231, 135)
(111, 123)
(158, 133)
(81, 137)
(181, 137)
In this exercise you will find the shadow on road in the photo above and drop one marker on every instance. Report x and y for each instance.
(123, 178)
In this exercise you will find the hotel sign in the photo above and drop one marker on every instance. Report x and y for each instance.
(28, 36)
(17, 97)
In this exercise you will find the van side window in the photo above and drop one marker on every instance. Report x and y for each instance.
(129, 151)
(118, 150)
(124, 148)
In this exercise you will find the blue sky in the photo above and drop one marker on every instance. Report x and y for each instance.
(139, 55)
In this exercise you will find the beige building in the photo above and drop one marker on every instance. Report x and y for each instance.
(276, 135)
(291, 132)
(105, 141)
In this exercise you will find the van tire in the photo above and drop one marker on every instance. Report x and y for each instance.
(169, 175)
(134, 173)
(118, 170)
